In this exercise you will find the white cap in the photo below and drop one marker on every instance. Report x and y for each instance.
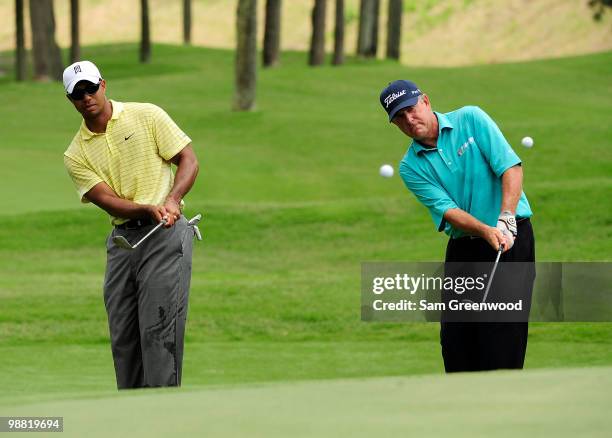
(80, 71)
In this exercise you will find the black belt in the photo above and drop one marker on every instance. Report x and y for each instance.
(134, 224)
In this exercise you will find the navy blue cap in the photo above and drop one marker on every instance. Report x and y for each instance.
(399, 94)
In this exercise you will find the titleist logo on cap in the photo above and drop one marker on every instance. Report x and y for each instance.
(391, 97)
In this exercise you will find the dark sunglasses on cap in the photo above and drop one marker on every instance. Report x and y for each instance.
(79, 94)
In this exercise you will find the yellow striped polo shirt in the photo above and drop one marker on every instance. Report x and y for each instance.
(132, 156)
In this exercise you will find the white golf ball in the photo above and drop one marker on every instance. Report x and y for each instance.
(386, 170)
(527, 142)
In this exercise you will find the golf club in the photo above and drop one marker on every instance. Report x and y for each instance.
(194, 223)
(499, 251)
(122, 242)
(486, 293)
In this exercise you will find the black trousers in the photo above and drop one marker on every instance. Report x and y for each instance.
(481, 346)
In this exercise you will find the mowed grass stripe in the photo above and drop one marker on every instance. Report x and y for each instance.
(82, 370)
(501, 404)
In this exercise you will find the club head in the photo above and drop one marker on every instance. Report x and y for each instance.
(197, 232)
(194, 220)
(122, 242)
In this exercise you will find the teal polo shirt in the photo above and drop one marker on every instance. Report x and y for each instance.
(464, 170)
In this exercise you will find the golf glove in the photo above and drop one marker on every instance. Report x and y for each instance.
(506, 223)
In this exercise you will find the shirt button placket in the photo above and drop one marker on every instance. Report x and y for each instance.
(109, 137)
(448, 162)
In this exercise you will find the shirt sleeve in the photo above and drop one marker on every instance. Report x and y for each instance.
(169, 137)
(83, 177)
(492, 143)
(429, 193)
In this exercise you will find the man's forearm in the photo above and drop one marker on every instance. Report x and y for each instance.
(186, 173)
(123, 208)
(512, 187)
(105, 198)
(464, 221)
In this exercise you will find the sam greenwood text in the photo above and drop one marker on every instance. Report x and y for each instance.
(453, 305)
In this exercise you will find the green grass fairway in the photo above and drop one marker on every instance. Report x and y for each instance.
(543, 403)
(293, 204)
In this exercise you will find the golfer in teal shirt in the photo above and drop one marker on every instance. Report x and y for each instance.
(463, 170)
(460, 166)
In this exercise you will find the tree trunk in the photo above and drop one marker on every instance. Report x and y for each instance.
(339, 34)
(599, 7)
(375, 15)
(394, 29)
(47, 56)
(367, 40)
(75, 46)
(20, 58)
(362, 29)
(272, 32)
(246, 55)
(317, 42)
(187, 22)
(145, 34)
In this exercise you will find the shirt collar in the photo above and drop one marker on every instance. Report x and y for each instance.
(443, 123)
(117, 109)
(86, 134)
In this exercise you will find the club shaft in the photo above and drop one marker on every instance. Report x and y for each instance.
(149, 233)
(484, 298)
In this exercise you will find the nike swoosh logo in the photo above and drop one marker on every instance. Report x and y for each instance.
(128, 137)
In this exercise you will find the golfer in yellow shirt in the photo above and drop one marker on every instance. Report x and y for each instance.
(120, 160)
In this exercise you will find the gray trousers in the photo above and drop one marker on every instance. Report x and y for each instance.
(146, 291)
